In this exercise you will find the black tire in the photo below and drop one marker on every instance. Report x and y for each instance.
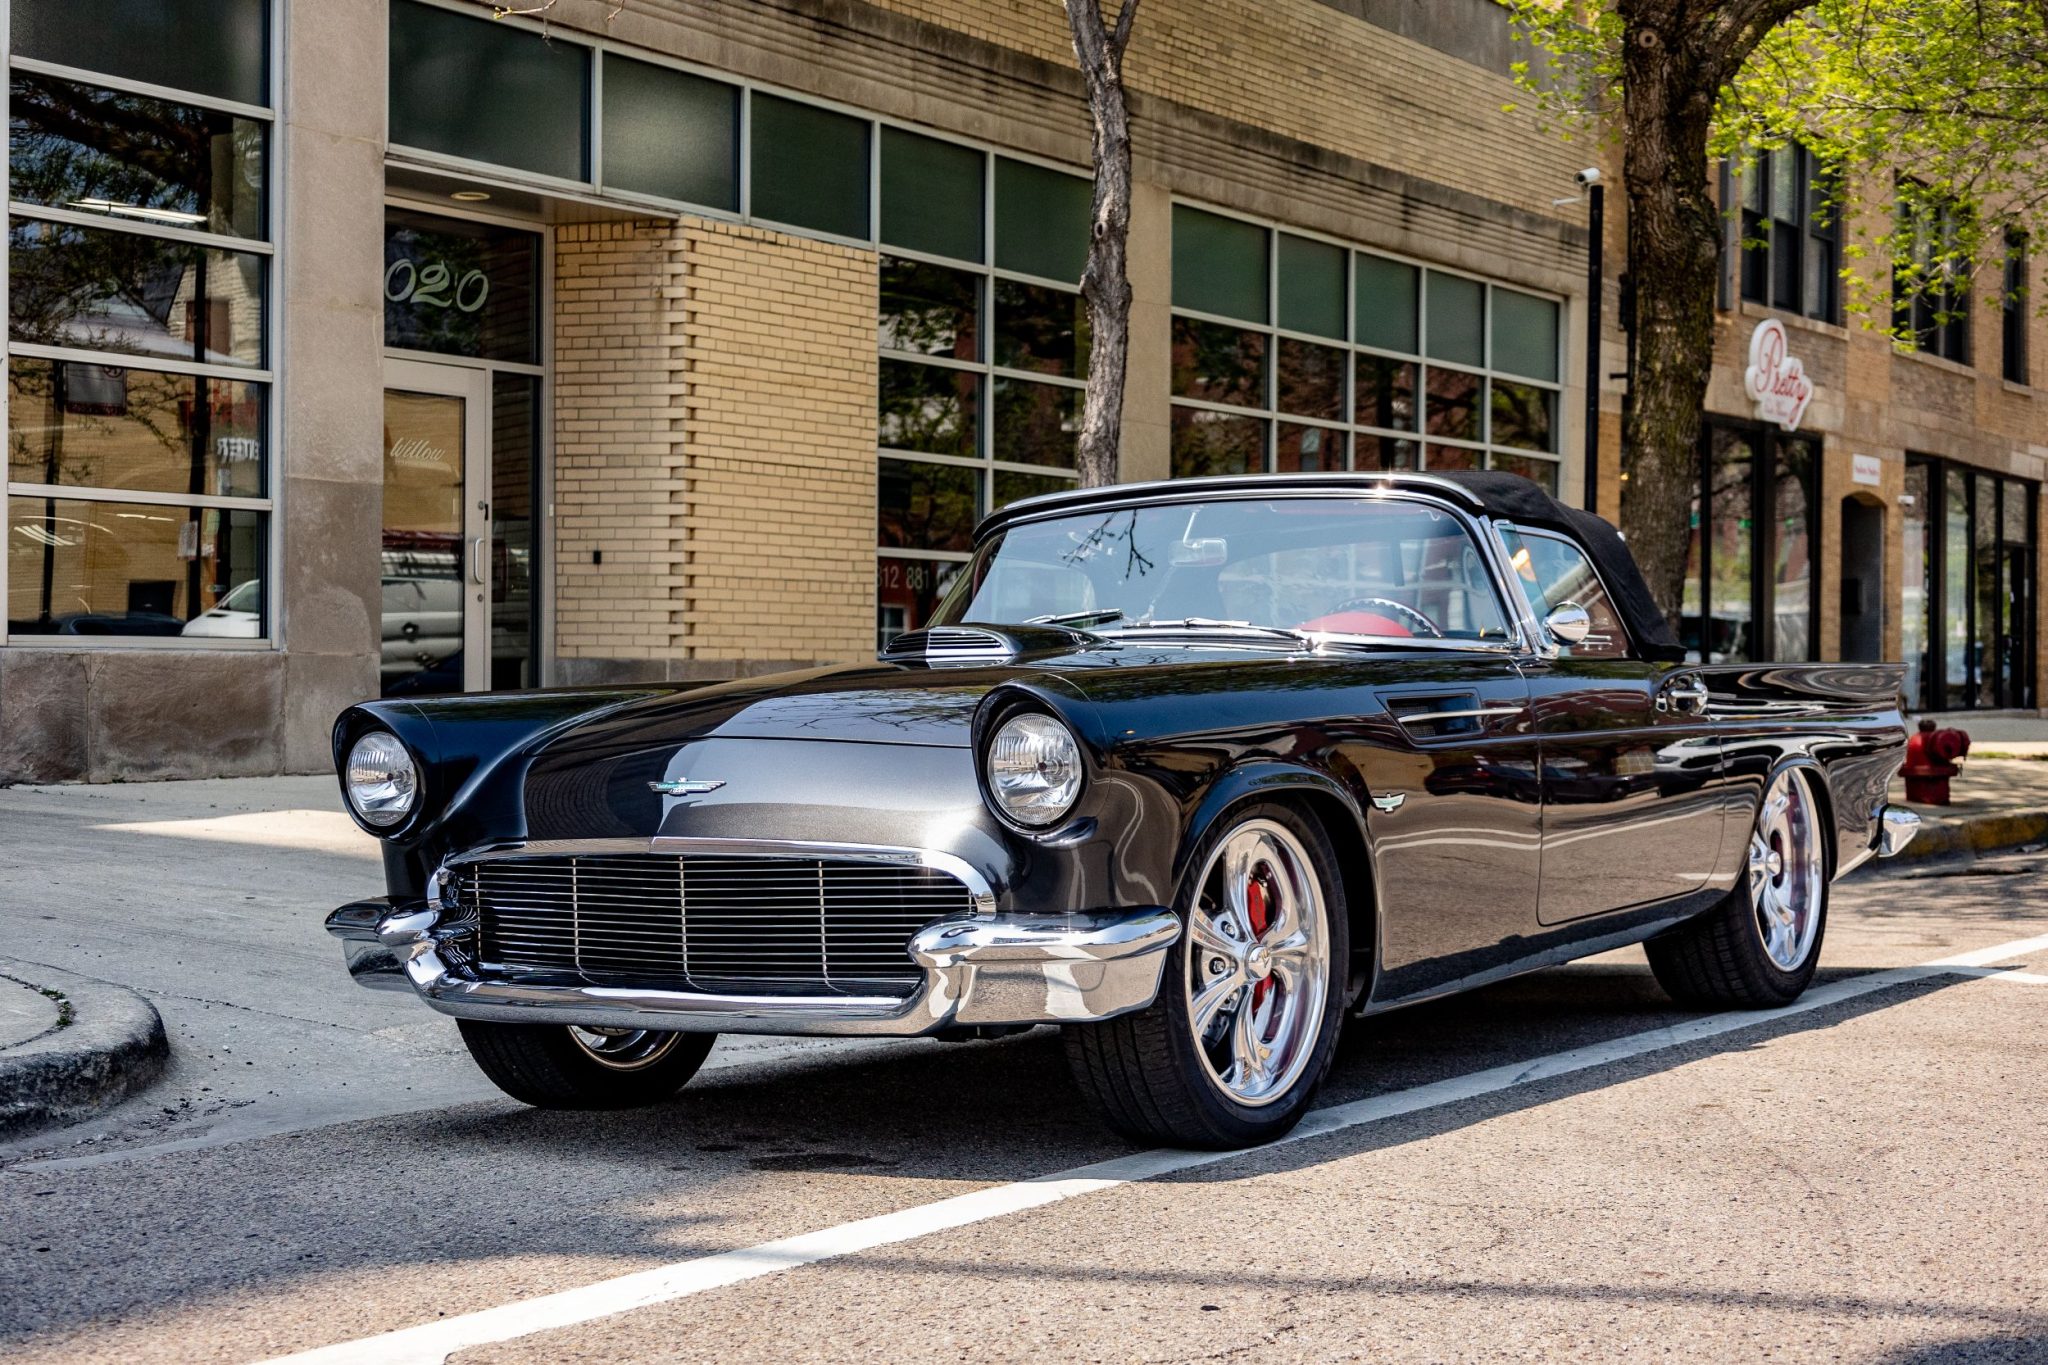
(1143, 1071)
(544, 1065)
(1720, 960)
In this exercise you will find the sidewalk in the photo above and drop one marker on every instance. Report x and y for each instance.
(70, 1046)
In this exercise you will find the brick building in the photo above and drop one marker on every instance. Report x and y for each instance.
(379, 346)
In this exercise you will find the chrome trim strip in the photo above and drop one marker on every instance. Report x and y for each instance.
(1461, 715)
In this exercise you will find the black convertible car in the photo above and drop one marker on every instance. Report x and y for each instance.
(1191, 770)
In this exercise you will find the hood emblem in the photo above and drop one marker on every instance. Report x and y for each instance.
(689, 788)
(1390, 804)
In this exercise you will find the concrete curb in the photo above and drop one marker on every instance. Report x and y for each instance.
(1944, 837)
(112, 1046)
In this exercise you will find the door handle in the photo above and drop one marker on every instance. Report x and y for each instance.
(476, 560)
(1687, 697)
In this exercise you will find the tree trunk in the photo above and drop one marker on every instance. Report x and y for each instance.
(1105, 285)
(1676, 57)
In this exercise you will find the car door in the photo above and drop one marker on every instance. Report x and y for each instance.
(1632, 777)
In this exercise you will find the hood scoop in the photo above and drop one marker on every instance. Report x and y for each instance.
(980, 646)
(941, 645)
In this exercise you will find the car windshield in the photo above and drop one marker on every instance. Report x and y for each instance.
(1373, 567)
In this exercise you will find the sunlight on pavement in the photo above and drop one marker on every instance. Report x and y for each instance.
(321, 831)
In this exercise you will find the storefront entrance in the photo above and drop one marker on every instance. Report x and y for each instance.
(462, 424)
(436, 528)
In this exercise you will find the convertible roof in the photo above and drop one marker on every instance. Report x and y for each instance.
(1491, 493)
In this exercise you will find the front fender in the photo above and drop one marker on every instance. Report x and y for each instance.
(1261, 781)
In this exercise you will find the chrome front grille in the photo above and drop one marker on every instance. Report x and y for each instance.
(712, 923)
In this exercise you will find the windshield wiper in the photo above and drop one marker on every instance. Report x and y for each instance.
(1210, 624)
(1095, 616)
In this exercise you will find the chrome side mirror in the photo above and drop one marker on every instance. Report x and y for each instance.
(1568, 623)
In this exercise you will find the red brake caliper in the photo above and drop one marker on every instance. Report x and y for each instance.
(1256, 911)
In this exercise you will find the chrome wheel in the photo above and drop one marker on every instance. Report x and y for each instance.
(1258, 963)
(623, 1049)
(1787, 871)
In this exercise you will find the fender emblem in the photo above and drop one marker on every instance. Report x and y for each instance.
(1389, 804)
(693, 788)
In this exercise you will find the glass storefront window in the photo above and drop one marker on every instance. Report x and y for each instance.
(97, 289)
(1955, 598)
(77, 567)
(1750, 560)
(930, 309)
(932, 195)
(1971, 554)
(928, 408)
(483, 91)
(1219, 265)
(983, 355)
(515, 473)
(1915, 575)
(1209, 442)
(1042, 221)
(138, 348)
(75, 424)
(1036, 423)
(809, 167)
(1486, 397)
(1792, 550)
(210, 47)
(455, 287)
(1041, 329)
(924, 506)
(670, 134)
(77, 146)
(1217, 363)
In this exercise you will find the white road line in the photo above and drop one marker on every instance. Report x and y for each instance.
(435, 1341)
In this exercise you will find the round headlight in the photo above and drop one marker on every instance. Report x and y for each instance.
(1034, 769)
(381, 779)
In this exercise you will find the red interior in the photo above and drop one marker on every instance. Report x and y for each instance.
(1357, 623)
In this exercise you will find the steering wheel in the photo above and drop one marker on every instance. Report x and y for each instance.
(1429, 627)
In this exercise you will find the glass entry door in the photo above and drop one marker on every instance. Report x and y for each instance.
(437, 440)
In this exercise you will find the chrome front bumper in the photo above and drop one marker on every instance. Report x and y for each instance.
(1895, 829)
(977, 972)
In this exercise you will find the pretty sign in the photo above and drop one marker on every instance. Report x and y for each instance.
(1776, 379)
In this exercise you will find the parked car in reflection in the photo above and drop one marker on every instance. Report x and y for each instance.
(1194, 771)
(422, 626)
(237, 616)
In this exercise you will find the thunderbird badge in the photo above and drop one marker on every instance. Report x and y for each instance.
(690, 788)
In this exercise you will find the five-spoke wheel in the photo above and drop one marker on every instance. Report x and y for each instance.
(1245, 1023)
(1259, 972)
(1759, 947)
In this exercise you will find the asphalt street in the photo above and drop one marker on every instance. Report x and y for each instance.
(1561, 1167)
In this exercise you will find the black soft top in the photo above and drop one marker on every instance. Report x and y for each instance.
(1514, 498)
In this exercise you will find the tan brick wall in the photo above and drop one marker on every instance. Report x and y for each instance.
(714, 449)
(619, 482)
(1309, 71)
(779, 424)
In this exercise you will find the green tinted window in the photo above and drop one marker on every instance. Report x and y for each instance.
(810, 167)
(489, 92)
(1042, 221)
(931, 195)
(1219, 265)
(214, 47)
(1311, 287)
(670, 134)
(1524, 334)
(1457, 319)
(1387, 298)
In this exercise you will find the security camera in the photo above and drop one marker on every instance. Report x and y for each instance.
(1589, 176)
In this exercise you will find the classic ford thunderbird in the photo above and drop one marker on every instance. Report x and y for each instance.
(1194, 771)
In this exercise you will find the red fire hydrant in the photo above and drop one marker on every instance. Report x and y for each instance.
(1931, 757)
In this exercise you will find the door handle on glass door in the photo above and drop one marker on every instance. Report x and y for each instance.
(1687, 697)
(476, 560)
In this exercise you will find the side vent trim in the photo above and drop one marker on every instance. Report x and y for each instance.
(949, 645)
